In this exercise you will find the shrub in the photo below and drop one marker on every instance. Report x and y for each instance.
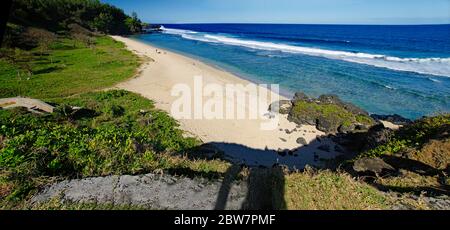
(413, 136)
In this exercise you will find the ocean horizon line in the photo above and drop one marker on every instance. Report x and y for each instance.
(312, 24)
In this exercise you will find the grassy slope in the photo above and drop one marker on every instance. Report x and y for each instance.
(70, 68)
(111, 136)
(414, 136)
(37, 149)
(327, 190)
(424, 146)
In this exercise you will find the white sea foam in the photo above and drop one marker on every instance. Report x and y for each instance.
(432, 66)
(177, 31)
(433, 80)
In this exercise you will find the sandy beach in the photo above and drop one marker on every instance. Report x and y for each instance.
(241, 139)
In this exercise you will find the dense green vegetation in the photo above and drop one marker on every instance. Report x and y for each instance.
(58, 15)
(116, 133)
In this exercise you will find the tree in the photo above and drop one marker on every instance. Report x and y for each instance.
(56, 15)
(102, 22)
(133, 23)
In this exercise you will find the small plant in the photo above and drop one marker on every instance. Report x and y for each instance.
(115, 110)
(63, 110)
(412, 136)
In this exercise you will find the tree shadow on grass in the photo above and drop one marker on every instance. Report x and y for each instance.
(45, 61)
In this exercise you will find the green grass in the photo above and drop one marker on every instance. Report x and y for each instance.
(117, 132)
(56, 204)
(139, 140)
(69, 67)
(327, 190)
(364, 119)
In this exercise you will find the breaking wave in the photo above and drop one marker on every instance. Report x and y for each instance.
(431, 66)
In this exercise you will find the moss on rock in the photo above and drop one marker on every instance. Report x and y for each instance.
(329, 114)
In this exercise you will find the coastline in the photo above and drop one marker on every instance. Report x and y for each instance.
(240, 139)
(285, 93)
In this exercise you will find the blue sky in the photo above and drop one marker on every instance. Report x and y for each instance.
(290, 11)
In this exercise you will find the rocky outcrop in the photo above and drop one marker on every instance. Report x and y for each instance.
(394, 119)
(334, 99)
(362, 141)
(377, 135)
(374, 166)
(328, 113)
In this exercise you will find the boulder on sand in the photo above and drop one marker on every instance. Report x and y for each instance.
(301, 141)
(282, 106)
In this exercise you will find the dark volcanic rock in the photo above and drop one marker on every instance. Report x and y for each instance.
(377, 135)
(373, 166)
(301, 141)
(362, 141)
(394, 119)
(361, 127)
(300, 96)
(282, 106)
(327, 125)
(303, 119)
(346, 129)
(330, 99)
(334, 99)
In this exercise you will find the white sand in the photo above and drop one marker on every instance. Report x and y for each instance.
(241, 139)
